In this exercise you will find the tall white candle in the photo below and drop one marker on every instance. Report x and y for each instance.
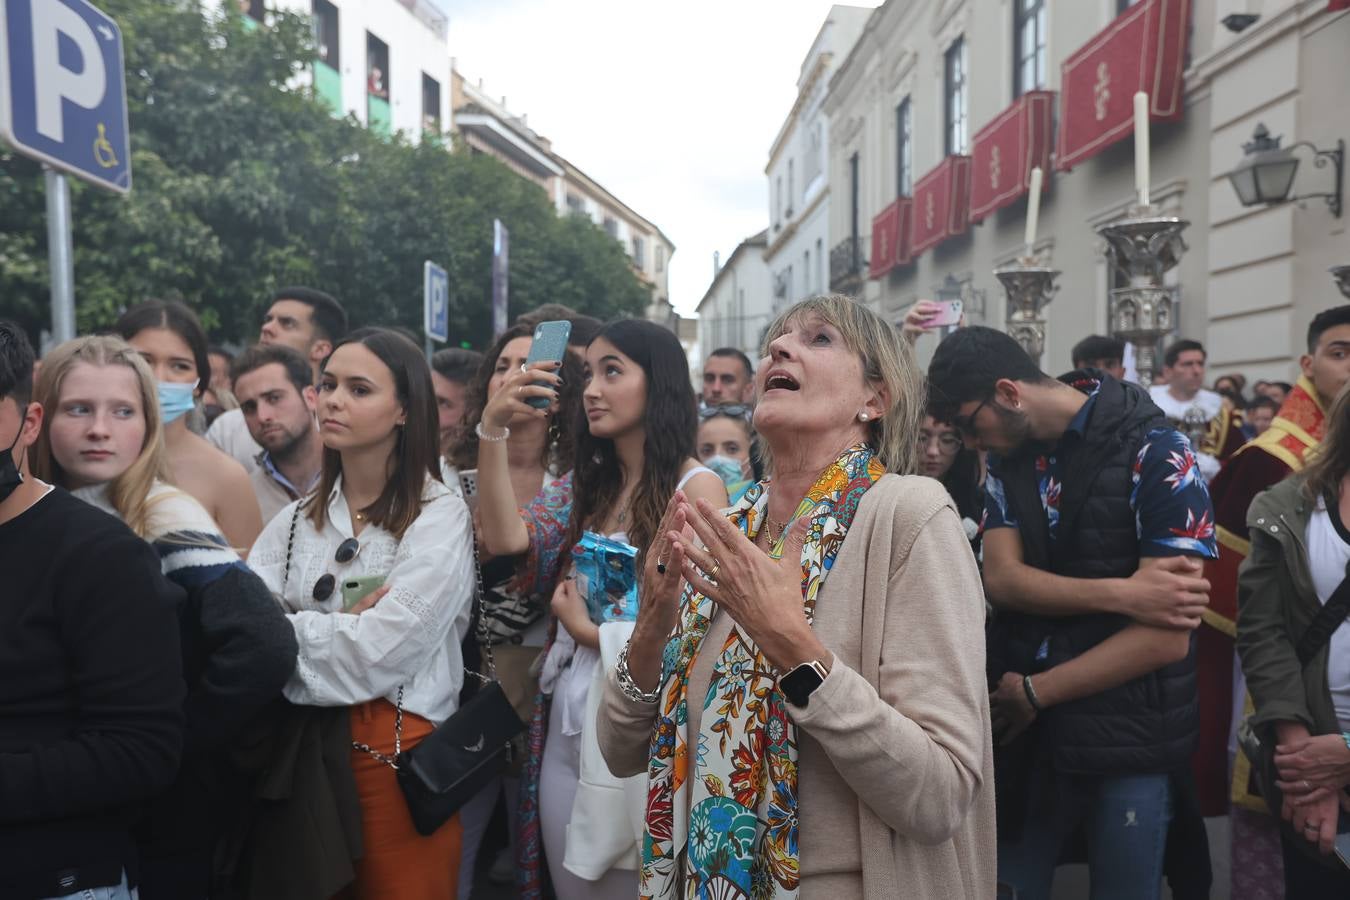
(1033, 210)
(1141, 147)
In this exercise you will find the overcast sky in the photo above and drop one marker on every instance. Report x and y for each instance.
(671, 106)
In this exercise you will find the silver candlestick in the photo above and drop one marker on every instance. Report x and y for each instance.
(1030, 287)
(1142, 247)
(1342, 276)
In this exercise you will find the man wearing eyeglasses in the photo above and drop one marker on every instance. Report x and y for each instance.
(728, 377)
(1096, 521)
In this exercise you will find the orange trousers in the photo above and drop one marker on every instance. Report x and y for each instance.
(399, 863)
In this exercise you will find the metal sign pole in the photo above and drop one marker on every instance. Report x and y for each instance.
(61, 256)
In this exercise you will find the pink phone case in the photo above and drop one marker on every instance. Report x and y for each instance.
(948, 314)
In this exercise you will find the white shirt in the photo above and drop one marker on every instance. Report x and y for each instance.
(229, 432)
(1328, 553)
(1206, 402)
(410, 638)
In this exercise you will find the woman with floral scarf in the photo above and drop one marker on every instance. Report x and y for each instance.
(805, 685)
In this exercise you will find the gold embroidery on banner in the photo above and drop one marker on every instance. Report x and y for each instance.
(1101, 91)
(995, 166)
(929, 213)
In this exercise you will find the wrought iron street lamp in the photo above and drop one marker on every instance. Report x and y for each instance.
(1342, 276)
(1266, 173)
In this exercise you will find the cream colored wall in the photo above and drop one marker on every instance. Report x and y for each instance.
(1250, 283)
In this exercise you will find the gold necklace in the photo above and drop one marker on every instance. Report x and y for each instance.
(770, 525)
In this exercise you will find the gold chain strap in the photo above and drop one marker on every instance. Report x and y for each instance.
(483, 641)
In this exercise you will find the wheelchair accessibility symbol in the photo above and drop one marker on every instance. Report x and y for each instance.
(104, 154)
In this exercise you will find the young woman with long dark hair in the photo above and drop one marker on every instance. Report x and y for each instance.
(634, 449)
(170, 338)
(380, 511)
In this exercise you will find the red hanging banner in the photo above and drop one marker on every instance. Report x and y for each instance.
(1338, 5)
(1144, 49)
(1006, 150)
(941, 204)
(890, 238)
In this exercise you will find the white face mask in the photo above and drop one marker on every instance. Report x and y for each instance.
(728, 469)
(176, 399)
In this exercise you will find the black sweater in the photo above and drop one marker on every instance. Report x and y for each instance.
(91, 695)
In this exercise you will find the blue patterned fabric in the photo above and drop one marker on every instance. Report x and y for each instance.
(1172, 509)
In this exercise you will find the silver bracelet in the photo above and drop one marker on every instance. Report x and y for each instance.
(492, 438)
(628, 685)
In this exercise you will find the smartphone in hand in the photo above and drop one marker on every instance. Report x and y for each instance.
(948, 315)
(354, 590)
(549, 345)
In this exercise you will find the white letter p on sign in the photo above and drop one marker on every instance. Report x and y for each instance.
(54, 83)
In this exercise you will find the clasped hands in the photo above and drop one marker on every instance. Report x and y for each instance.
(697, 544)
(1312, 775)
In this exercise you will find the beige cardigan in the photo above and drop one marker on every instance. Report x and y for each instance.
(896, 766)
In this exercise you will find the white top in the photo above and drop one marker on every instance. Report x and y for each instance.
(1205, 404)
(1328, 554)
(229, 432)
(1208, 402)
(410, 638)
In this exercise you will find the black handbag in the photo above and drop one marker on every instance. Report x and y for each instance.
(450, 765)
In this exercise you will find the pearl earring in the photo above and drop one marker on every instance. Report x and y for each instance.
(862, 417)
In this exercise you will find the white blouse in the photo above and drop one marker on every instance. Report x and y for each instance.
(411, 637)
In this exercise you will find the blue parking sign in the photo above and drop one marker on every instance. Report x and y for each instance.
(63, 90)
(436, 301)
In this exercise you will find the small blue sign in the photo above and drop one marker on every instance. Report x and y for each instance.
(436, 301)
(63, 96)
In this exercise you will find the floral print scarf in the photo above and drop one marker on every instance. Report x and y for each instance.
(728, 829)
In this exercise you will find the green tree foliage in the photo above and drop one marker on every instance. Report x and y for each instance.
(243, 183)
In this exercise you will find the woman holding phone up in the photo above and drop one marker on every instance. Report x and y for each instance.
(634, 449)
(538, 453)
(380, 515)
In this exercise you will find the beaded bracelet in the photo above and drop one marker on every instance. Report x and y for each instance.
(494, 438)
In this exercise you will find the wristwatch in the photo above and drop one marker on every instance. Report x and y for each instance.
(800, 682)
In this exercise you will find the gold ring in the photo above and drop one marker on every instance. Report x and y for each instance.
(717, 567)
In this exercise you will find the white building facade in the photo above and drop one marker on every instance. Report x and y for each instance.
(738, 305)
(482, 123)
(915, 104)
(386, 62)
(798, 175)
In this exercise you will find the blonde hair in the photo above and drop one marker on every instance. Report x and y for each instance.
(887, 359)
(129, 492)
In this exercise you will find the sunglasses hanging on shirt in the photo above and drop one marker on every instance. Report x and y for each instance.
(346, 552)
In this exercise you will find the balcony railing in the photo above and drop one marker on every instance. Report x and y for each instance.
(847, 265)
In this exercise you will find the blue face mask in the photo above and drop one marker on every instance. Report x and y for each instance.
(731, 471)
(176, 400)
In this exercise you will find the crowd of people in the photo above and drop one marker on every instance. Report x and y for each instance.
(305, 620)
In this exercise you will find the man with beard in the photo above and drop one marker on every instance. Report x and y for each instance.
(1095, 513)
(278, 401)
(301, 318)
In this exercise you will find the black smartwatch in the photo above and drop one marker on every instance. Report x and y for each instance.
(800, 682)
